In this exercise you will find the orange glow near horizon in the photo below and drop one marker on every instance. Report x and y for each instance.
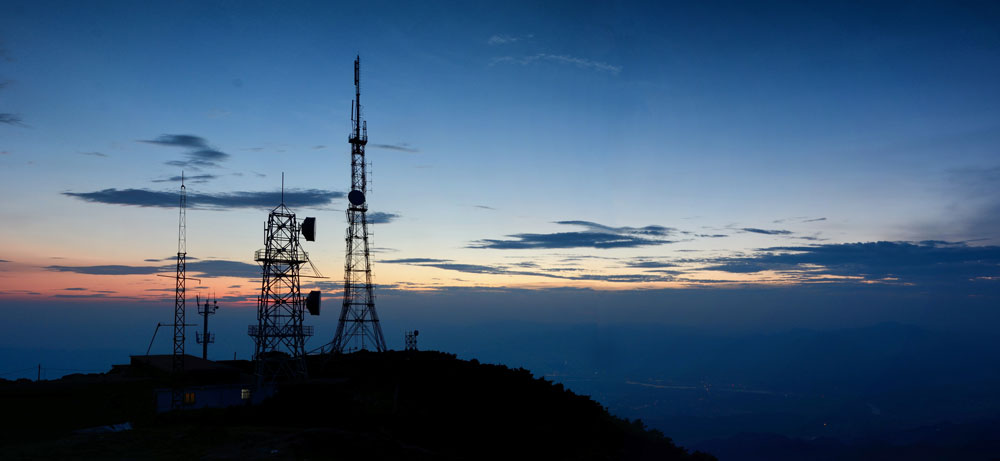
(37, 282)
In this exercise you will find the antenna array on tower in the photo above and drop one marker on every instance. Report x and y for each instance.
(358, 327)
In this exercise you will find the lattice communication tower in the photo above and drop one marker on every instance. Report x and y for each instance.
(358, 327)
(279, 334)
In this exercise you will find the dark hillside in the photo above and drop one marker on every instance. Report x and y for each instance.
(395, 405)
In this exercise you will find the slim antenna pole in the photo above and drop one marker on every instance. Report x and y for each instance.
(180, 296)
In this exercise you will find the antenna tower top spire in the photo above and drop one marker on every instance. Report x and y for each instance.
(359, 327)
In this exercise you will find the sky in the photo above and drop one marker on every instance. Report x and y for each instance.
(740, 165)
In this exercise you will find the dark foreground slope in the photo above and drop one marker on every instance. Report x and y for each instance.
(394, 405)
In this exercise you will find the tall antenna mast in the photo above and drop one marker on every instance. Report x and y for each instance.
(179, 293)
(358, 328)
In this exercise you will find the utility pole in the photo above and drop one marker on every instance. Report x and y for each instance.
(205, 338)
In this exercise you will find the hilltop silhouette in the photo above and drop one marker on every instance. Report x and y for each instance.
(393, 405)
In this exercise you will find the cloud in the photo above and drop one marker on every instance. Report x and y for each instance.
(402, 147)
(192, 179)
(179, 140)
(814, 220)
(596, 236)
(503, 270)
(649, 264)
(92, 295)
(566, 240)
(923, 262)
(19, 292)
(595, 227)
(413, 261)
(94, 154)
(484, 207)
(199, 268)
(449, 265)
(199, 155)
(75, 289)
(503, 39)
(766, 231)
(560, 59)
(11, 119)
(223, 268)
(208, 155)
(379, 217)
(219, 201)
(109, 270)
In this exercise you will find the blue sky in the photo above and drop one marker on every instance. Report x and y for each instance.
(565, 146)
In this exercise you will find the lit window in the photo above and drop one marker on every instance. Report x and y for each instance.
(189, 398)
(245, 394)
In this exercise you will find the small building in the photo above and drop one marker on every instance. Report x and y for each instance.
(207, 383)
(214, 396)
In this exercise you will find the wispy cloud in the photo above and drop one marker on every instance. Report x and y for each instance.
(380, 217)
(449, 265)
(11, 119)
(799, 219)
(484, 207)
(202, 268)
(219, 201)
(596, 236)
(566, 240)
(179, 140)
(504, 39)
(582, 63)
(199, 154)
(649, 264)
(192, 179)
(654, 230)
(224, 268)
(401, 147)
(95, 154)
(109, 269)
(754, 230)
(923, 262)
(413, 261)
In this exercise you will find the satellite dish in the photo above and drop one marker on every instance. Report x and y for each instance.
(312, 302)
(356, 197)
(309, 229)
